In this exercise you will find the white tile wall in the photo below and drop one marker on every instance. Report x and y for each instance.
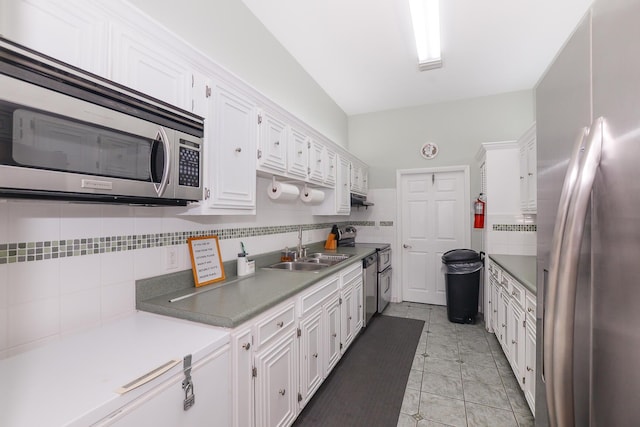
(510, 242)
(42, 300)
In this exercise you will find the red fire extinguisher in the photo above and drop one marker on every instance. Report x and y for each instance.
(478, 210)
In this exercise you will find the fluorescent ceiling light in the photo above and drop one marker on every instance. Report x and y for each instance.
(425, 15)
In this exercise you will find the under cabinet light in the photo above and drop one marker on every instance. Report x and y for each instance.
(425, 15)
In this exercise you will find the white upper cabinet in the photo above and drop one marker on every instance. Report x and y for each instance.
(359, 177)
(528, 167)
(316, 162)
(330, 167)
(337, 200)
(272, 143)
(232, 149)
(69, 31)
(298, 159)
(143, 64)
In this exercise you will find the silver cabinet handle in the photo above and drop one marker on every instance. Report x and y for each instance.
(315, 355)
(276, 143)
(238, 150)
(246, 346)
(282, 392)
(280, 324)
(530, 310)
(406, 246)
(529, 369)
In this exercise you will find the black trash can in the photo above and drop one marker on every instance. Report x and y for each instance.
(462, 268)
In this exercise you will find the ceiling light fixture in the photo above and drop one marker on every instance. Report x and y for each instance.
(425, 15)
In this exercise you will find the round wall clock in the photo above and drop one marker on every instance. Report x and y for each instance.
(429, 150)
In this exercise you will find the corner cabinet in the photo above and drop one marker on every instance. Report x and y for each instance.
(528, 171)
(281, 358)
(232, 150)
(338, 199)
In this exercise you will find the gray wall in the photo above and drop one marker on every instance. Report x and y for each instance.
(227, 32)
(391, 140)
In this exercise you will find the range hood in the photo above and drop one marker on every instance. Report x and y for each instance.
(358, 200)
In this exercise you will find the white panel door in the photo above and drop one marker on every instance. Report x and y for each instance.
(434, 215)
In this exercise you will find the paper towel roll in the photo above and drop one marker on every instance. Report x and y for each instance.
(282, 192)
(312, 196)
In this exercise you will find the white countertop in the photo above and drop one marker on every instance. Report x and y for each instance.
(73, 381)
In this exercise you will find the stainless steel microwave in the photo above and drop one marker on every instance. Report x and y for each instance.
(69, 135)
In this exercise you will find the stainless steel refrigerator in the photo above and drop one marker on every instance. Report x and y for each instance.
(588, 136)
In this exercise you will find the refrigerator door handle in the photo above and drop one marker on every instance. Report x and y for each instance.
(550, 291)
(562, 358)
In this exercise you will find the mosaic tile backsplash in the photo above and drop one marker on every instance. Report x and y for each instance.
(36, 251)
(514, 227)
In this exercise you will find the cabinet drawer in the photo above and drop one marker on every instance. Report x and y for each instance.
(318, 294)
(271, 326)
(517, 292)
(351, 273)
(530, 302)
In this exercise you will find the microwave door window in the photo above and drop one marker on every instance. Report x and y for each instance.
(50, 142)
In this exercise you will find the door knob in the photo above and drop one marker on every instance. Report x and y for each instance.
(406, 246)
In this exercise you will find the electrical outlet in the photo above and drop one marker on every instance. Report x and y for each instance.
(171, 257)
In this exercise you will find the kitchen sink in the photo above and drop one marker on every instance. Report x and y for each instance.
(312, 262)
(326, 258)
(298, 266)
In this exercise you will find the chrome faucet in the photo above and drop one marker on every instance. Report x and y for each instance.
(301, 250)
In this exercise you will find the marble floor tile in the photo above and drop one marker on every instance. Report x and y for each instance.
(429, 423)
(484, 416)
(443, 410)
(418, 362)
(442, 351)
(410, 402)
(473, 358)
(415, 379)
(442, 385)
(518, 401)
(406, 420)
(445, 329)
(525, 420)
(450, 368)
(418, 314)
(481, 373)
(485, 394)
(474, 345)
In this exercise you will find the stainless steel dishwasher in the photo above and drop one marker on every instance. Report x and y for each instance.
(370, 286)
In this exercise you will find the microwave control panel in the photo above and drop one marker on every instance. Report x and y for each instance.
(189, 164)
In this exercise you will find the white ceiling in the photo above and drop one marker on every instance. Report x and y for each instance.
(362, 53)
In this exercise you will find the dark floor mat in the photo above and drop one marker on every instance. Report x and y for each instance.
(367, 387)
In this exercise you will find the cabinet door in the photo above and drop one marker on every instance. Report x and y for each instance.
(277, 383)
(503, 315)
(532, 186)
(242, 379)
(316, 159)
(311, 355)
(332, 334)
(530, 365)
(495, 297)
(348, 317)
(272, 149)
(515, 340)
(358, 306)
(71, 31)
(524, 179)
(343, 192)
(330, 168)
(233, 148)
(163, 406)
(298, 159)
(142, 62)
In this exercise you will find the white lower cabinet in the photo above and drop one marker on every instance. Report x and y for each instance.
(312, 355)
(513, 321)
(277, 382)
(162, 406)
(281, 358)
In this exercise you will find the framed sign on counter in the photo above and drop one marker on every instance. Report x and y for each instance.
(206, 261)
